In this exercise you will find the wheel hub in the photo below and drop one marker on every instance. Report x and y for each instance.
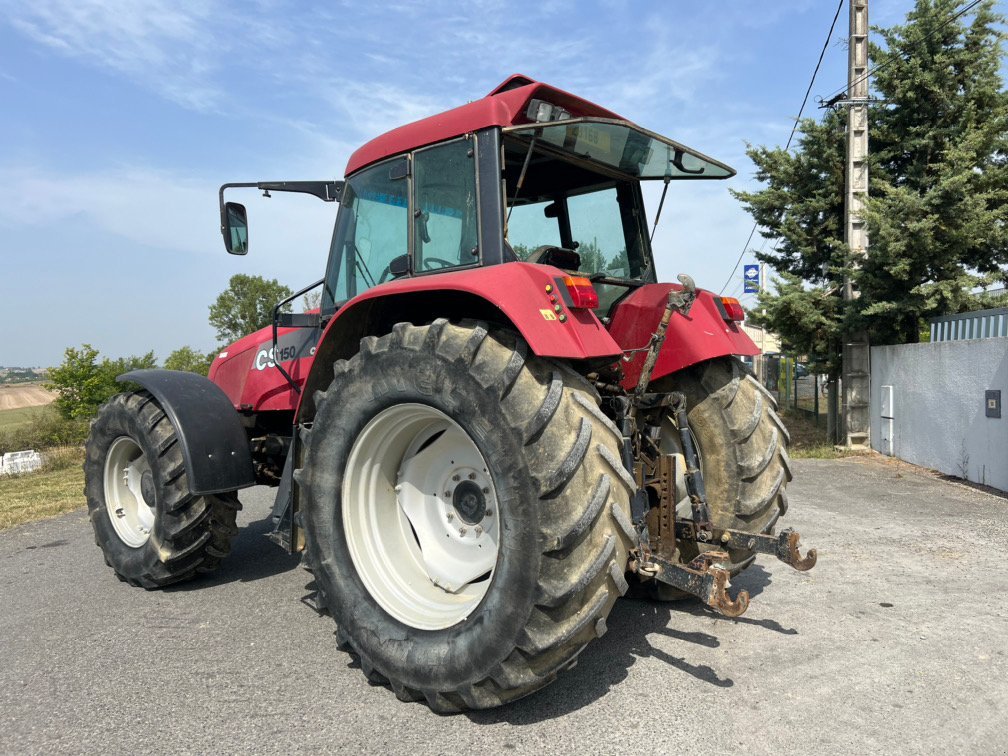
(129, 492)
(469, 502)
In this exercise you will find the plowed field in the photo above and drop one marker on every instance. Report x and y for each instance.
(24, 395)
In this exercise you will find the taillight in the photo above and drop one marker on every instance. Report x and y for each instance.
(733, 310)
(582, 293)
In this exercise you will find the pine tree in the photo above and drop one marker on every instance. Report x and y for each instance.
(802, 209)
(938, 212)
(937, 216)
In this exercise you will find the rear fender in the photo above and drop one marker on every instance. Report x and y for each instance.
(518, 295)
(214, 444)
(701, 335)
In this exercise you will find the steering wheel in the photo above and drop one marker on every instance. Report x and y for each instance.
(441, 263)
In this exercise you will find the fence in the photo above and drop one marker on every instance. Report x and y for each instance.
(794, 386)
(981, 324)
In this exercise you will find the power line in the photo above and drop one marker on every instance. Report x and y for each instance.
(794, 128)
(893, 57)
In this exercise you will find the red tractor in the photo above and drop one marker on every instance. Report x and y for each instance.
(496, 421)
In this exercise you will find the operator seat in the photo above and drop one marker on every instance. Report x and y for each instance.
(559, 257)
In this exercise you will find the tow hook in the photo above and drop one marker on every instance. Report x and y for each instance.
(706, 577)
(784, 545)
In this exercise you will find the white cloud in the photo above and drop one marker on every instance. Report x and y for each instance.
(158, 44)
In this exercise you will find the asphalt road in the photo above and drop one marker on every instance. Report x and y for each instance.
(896, 641)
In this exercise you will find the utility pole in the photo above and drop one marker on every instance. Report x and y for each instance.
(856, 375)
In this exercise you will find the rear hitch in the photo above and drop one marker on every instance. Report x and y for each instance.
(704, 578)
(784, 545)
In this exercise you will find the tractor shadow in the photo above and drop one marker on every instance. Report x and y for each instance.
(253, 557)
(632, 625)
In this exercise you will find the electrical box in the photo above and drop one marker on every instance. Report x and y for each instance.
(887, 404)
(992, 399)
(886, 436)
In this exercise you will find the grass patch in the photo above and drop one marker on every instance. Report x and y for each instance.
(56, 488)
(17, 418)
(808, 440)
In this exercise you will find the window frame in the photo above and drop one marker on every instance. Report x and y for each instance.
(478, 258)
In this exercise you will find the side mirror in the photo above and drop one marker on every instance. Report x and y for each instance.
(234, 226)
(552, 210)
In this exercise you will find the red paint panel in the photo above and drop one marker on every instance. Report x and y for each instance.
(496, 109)
(700, 336)
(248, 378)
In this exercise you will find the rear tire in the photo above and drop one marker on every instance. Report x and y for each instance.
(554, 481)
(742, 444)
(152, 530)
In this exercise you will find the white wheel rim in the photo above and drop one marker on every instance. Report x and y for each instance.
(130, 514)
(420, 516)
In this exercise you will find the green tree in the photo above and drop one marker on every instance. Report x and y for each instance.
(190, 360)
(83, 383)
(245, 306)
(802, 209)
(938, 213)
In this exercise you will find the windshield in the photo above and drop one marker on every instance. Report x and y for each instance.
(624, 147)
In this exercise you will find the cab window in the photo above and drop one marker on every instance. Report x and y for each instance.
(372, 230)
(446, 228)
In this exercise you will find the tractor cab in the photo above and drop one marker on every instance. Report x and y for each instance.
(564, 193)
(528, 174)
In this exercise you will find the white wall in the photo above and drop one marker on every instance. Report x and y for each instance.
(939, 417)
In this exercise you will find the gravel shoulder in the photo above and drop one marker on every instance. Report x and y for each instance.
(896, 641)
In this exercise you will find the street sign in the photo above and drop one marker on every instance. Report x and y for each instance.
(750, 279)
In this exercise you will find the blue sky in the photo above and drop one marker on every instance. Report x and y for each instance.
(119, 120)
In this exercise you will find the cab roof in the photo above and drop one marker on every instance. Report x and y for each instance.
(504, 106)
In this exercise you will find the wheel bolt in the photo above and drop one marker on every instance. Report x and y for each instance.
(398, 489)
(447, 494)
(456, 478)
(486, 490)
(462, 531)
(489, 512)
(479, 530)
(472, 476)
(449, 516)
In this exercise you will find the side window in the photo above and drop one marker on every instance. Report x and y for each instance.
(597, 227)
(445, 234)
(530, 228)
(372, 229)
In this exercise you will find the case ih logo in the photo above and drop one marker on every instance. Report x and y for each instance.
(290, 346)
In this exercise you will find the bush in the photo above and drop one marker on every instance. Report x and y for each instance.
(84, 384)
(190, 360)
(49, 430)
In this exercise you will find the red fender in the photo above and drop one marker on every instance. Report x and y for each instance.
(702, 335)
(525, 293)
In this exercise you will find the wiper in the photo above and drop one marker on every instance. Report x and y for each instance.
(362, 267)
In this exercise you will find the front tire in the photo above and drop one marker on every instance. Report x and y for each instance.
(151, 529)
(428, 409)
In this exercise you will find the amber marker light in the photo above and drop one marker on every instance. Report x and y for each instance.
(733, 310)
(582, 293)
